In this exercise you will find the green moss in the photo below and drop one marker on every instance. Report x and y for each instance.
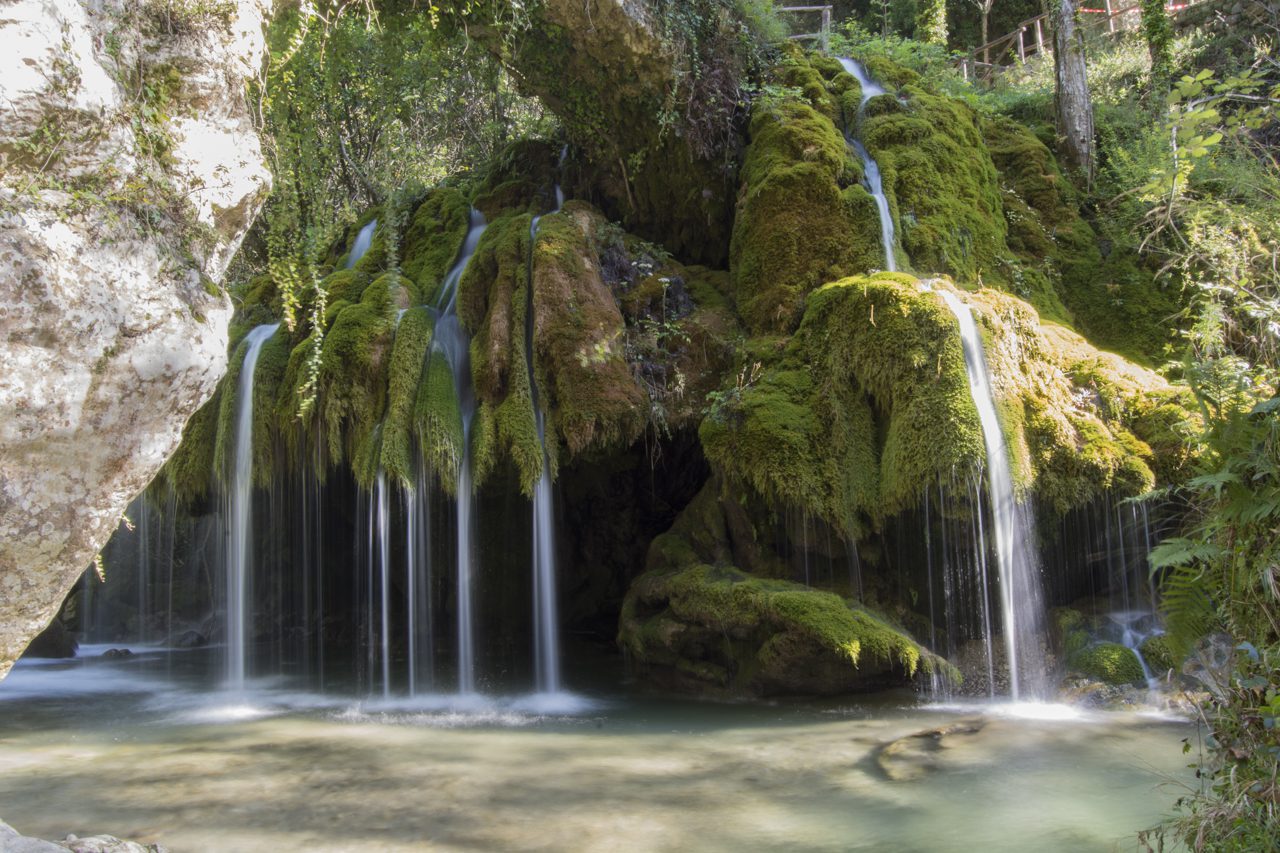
(519, 179)
(1073, 634)
(941, 184)
(1164, 422)
(408, 360)
(269, 377)
(224, 444)
(353, 379)
(1058, 263)
(1110, 663)
(433, 239)
(727, 629)
(1158, 652)
(868, 406)
(798, 72)
(802, 219)
(438, 420)
(344, 286)
(189, 472)
(1086, 459)
(579, 362)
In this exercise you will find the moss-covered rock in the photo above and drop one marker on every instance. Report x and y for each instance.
(578, 339)
(1110, 663)
(432, 239)
(867, 406)
(1159, 654)
(940, 181)
(801, 217)
(719, 630)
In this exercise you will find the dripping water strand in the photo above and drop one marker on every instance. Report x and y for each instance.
(239, 513)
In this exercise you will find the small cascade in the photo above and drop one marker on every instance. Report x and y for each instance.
(417, 550)
(454, 343)
(545, 620)
(363, 240)
(870, 168)
(1129, 624)
(1011, 525)
(239, 513)
(382, 522)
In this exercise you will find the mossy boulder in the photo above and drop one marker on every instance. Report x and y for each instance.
(942, 186)
(1160, 655)
(866, 406)
(697, 621)
(1110, 663)
(718, 630)
(802, 218)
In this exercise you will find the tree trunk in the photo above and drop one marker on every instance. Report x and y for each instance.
(986, 28)
(1071, 92)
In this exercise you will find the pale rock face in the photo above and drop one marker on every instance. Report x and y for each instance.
(112, 332)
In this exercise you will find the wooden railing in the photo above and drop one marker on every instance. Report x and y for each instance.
(823, 35)
(1031, 37)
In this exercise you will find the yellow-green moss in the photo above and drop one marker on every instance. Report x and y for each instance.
(408, 360)
(802, 219)
(353, 378)
(438, 420)
(1159, 654)
(268, 380)
(1060, 265)
(189, 472)
(1110, 663)
(759, 629)
(432, 240)
(579, 363)
(868, 406)
(940, 181)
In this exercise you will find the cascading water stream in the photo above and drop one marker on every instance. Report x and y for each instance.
(546, 639)
(870, 168)
(1011, 526)
(239, 513)
(363, 240)
(455, 344)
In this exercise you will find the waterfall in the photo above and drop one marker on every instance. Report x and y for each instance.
(870, 168)
(1011, 525)
(455, 344)
(417, 511)
(383, 526)
(239, 513)
(546, 639)
(363, 240)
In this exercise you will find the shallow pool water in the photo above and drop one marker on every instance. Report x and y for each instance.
(115, 746)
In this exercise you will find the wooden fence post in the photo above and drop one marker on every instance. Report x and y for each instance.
(1022, 48)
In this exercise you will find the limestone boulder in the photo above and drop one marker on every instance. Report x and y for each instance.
(130, 170)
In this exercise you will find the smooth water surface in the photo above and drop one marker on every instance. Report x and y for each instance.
(114, 749)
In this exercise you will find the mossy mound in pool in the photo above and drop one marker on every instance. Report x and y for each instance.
(719, 630)
(696, 622)
(1110, 663)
